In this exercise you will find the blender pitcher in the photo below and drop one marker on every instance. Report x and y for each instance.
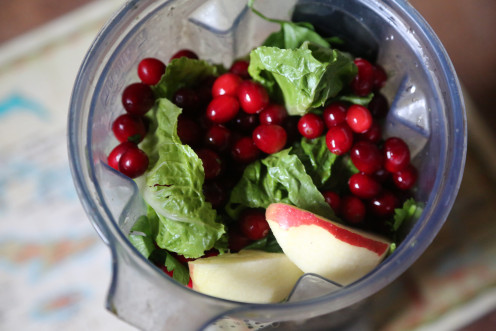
(427, 111)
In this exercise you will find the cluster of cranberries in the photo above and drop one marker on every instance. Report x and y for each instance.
(230, 122)
(131, 127)
(385, 172)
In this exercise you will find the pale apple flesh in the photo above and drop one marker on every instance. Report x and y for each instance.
(329, 249)
(248, 276)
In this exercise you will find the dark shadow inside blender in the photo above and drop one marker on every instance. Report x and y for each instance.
(331, 21)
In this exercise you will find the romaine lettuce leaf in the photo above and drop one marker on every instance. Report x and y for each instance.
(291, 34)
(173, 188)
(183, 72)
(179, 271)
(341, 171)
(410, 210)
(162, 258)
(141, 236)
(355, 99)
(306, 76)
(280, 177)
(267, 244)
(316, 158)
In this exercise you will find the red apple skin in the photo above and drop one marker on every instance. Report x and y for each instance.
(288, 216)
(320, 246)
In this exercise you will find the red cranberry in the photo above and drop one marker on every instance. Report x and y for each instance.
(334, 114)
(204, 122)
(269, 138)
(363, 82)
(137, 98)
(189, 131)
(133, 163)
(115, 155)
(240, 68)
(226, 84)
(373, 134)
(211, 252)
(252, 96)
(333, 199)
(244, 150)
(405, 178)
(171, 274)
(339, 139)
(290, 124)
(128, 127)
(204, 93)
(382, 175)
(236, 240)
(150, 70)
(184, 53)
(396, 154)
(364, 186)
(311, 126)
(253, 224)
(358, 118)
(383, 205)
(164, 269)
(273, 114)
(378, 106)
(380, 77)
(208, 82)
(222, 109)
(218, 137)
(215, 194)
(366, 156)
(352, 209)
(246, 123)
(186, 98)
(212, 164)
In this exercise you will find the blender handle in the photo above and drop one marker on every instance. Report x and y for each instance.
(143, 296)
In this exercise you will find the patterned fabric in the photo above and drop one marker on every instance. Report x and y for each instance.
(54, 269)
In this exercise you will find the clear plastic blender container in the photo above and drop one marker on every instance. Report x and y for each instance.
(427, 111)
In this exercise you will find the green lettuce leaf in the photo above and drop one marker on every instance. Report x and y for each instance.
(355, 99)
(141, 236)
(410, 211)
(404, 216)
(280, 177)
(342, 169)
(316, 158)
(306, 77)
(183, 72)
(173, 188)
(179, 271)
(291, 34)
(267, 244)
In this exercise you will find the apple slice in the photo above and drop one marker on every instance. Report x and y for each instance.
(329, 249)
(248, 276)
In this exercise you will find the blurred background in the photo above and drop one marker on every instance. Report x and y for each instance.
(54, 270)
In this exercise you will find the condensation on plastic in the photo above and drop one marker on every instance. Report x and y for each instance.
(426, 110)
